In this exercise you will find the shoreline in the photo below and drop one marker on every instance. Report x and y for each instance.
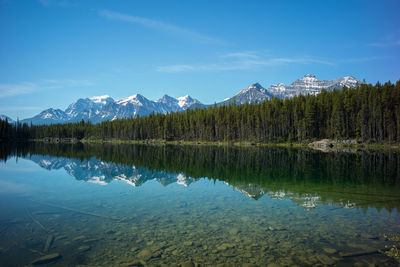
(324, 145)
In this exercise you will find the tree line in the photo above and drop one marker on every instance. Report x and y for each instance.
(367, 113)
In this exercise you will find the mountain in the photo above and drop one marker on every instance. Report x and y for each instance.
(185, 102)
(309, 84)
(180, 103)
(88, 108)
(169, 103)
(255, 93)
(4, 117)
(132, 106)
(48, 116)
(104, 108)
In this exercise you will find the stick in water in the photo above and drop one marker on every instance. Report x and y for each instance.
(36, 221)
(49, 242)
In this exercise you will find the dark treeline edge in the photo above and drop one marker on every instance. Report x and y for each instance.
(366, 112)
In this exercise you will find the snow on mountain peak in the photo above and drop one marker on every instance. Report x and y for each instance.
(135, 99)
(102, 108)
(308, 79)
(309, 84)
(103, 99)
(254, 86)
(186, 97)
(254, 93)
(349, 79)
(53, 114)
(186, 101)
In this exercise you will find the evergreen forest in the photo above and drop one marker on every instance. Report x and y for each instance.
(368, 113)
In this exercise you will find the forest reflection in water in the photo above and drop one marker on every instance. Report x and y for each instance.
(174, 205)
(362, 179)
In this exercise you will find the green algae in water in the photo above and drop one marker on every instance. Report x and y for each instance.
(144, 205)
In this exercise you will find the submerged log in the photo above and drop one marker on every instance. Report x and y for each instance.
(36, 251)
(47, 259)
(359, 253)
(365, 253)
(48, 243)
(36, 221)
(79, 211)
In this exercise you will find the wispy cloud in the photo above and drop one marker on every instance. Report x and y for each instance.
(54, 83)
(385, 44)
(17, 89)
(59, 3)
(24, 88)
(360, 59)
(176, 68)
(19, 108)
(158, 25)
(245, 54)
(241, 61)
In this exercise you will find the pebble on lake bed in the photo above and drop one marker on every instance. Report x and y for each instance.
(325, 259)
(225, 246)
(84, 248)
(330, 250)
(187, 264)
(81, 237)
(145, 254)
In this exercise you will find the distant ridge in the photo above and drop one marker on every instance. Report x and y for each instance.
(104, 108)
(309, 84)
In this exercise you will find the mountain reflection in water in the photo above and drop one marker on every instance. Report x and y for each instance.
(308, 178)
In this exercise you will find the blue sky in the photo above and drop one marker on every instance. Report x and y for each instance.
(53, 52)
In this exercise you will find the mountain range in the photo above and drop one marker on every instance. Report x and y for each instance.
(104, 108)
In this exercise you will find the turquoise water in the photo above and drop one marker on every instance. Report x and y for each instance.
(170, 205)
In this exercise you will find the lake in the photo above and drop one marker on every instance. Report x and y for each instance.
(133, 205)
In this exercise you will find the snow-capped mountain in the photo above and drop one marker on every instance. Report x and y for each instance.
(169, 103)
(178, 104)
(103, 108)
(185, 102)
(137, 105)
(309, 84)
(48, 116)
(85, 109)
(4, 117)
(255, 93)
